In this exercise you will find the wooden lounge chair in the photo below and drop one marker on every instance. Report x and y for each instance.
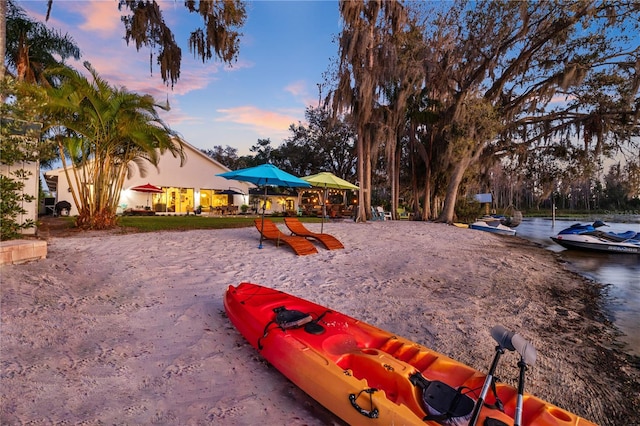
(297, 228)
(301, 246)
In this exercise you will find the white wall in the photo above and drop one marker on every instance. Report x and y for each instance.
(31, 187)
(198, 172)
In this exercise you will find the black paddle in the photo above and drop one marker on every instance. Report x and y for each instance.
(504, 339)
(527, 357)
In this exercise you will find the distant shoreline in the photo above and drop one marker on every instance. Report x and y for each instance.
(613, 217)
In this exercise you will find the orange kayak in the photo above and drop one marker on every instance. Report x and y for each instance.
(366, 375)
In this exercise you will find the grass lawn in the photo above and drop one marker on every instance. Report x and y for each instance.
(166, 223)
(182, 223)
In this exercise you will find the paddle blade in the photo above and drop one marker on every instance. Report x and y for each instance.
(526, 350)
(503, 337)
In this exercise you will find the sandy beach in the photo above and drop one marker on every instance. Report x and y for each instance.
(129, 328)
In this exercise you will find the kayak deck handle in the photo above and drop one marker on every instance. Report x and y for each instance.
(373, 412)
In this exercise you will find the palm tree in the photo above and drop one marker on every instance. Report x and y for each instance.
(103, 134)
(31, 46)
(217, 38)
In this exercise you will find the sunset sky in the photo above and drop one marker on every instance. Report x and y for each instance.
(285, 49)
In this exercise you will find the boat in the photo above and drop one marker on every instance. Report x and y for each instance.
(589, 237)
(460, 225)
(493, 224)
(366, 375)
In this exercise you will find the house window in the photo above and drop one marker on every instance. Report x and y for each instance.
(179, 200)
(258, 202)
(220, 200)
(206, 199)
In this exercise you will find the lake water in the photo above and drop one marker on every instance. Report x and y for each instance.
(621, 272)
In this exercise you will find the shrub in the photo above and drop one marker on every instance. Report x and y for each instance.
(467, 210)
(16, 150)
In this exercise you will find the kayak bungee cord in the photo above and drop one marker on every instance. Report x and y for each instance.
(373, 413)
(291, 318)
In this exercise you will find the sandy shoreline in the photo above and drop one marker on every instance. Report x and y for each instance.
(130, 329)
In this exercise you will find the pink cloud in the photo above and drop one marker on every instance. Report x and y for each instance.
(97, 29)
(99, 32)
(102, 17)
(301, 91)
(561, 99)
(257, 118)
(238, 65)
(297, 88)
(130, 68)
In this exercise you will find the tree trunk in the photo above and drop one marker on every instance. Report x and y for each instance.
(457, 174)
(398, 161)
(426, 211)
(415, 202)
(361, 214)
(367, 172)
(100, 220)
(3, 38)
(392, 173)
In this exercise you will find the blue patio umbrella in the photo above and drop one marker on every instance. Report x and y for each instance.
(265, 175)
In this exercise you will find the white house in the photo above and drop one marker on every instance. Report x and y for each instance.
(31, 188)
(184, 189)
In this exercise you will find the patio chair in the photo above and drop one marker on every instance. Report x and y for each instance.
(375, 215)
(301, 246)
(384, 215)
(297, 228)
(403, 214)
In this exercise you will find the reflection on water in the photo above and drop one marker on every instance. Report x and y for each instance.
(621, 271)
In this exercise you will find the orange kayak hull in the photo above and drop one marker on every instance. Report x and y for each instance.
(347, 361)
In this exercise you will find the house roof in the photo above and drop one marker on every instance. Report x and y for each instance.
(191, 152)
(197, 151)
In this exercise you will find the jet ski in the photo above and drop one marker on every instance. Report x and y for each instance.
(493, 225)
(589, 237)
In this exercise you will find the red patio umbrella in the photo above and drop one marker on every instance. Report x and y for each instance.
(152, 189)
(149, 189)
